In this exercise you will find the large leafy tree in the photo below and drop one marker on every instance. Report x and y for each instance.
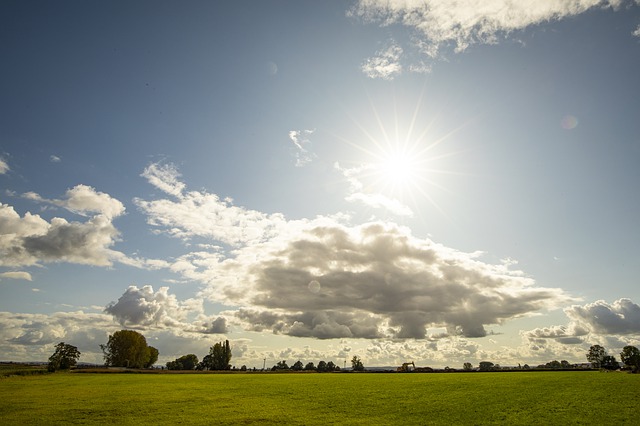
(630, 356)
(185, 362)
(218, 358)
(596, 355)
(153, 356)
(64, 357)
(128, 348)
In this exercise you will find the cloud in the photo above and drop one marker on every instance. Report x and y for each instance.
(370, 198)
(612, 325)
(4, 167)
(461, 23)
(16, 275)
(31, 240)
(324, 278)
(398, 285)
(83, 199)
(204, 215)
(377, 201)
(33, 336)
(300, 139)
(385, 64)
(622, 317)
(55, 159)
(636, 33)
(144, 308)
(164, 177)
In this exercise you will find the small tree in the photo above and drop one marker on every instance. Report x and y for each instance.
(297, 366)
(310, 366)
(331, 366)
(609, 363)
(485, 366)
(467, 366)
(630, 356)
(356, 364)
(64, 357)
(322, 366)
(595, 355)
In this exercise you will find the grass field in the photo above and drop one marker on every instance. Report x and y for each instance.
(545, 398)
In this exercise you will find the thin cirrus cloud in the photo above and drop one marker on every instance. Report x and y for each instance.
(302, 143)
(370, 281)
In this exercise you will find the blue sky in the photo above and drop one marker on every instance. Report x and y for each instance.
(442, 182)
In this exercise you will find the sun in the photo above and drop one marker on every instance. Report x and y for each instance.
(398, 170)
(400, 159)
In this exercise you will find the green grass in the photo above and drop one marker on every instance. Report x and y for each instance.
(21, 370)
(465, 399)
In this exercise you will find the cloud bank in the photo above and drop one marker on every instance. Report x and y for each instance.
(325, 278)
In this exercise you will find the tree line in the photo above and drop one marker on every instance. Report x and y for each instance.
(128, 348)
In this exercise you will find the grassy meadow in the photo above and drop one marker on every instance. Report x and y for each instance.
(470, 398)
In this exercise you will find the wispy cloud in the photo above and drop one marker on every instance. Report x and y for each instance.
(461, 23)
(302, 143)
(55, 159)
(385, 64)
(4, 167)
(202, 214)
(370, 198)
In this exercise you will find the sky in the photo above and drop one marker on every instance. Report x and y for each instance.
(431, 181)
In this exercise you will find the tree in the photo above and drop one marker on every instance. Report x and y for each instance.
(310, 366)
(331, 366)
(64, 357)
(555, 364)
(322, 366)
(595, 355)
(356, 364)
(185, 362)
(153, 356)
(485, 366)
(128, 348)
(467, 366)
(630, 356)
(297, 366)
(609, 363)
(218, 358)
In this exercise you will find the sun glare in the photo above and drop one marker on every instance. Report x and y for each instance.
(398, 170)
(403, 160)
